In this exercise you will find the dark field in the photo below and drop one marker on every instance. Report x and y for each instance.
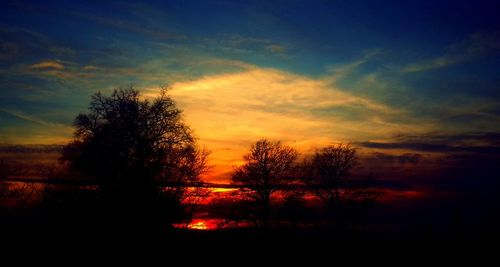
(36, 209)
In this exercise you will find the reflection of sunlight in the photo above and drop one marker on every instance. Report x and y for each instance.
(396, 195)
(199, 225)
(223, 190)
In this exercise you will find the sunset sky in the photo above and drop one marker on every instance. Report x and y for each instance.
(402, 77)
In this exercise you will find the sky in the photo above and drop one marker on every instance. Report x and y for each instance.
(403, 81)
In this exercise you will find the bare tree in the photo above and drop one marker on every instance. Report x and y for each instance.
(267, 167)
(327, 172)
(133, 148)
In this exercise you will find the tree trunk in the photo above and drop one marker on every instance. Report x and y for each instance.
(265, 211)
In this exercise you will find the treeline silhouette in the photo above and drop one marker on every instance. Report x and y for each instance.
(137, 167)
(134, 168)
(272, 166)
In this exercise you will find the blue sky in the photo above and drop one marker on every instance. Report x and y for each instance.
(306, 72)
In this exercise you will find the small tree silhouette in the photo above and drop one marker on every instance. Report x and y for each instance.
(267, 167)
(327, 172)
(130, 146)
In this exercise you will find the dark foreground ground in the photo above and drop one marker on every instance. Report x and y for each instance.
(196, 239)
(71, 227)
(238, 247)
(28, 235)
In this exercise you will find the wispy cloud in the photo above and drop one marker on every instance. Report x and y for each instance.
(476, 45)
(229, 111)
(58, 69)
(274, 48)
(480, 142)
(30, 129)
(90, 68)
(134, 27)
(30, 118)
(8, 50)
(47, 65)
(240, 44)
(335, 73)
(20, 43)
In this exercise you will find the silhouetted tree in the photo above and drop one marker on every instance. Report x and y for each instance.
(294, 209)
(129, 146)
(327, 172)
(266, 168)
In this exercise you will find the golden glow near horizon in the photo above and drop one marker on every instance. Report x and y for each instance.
(230, 111)
(199, 225)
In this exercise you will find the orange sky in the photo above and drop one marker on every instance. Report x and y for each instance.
(230, 111)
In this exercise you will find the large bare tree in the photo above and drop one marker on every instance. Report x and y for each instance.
(267, 167)
(133, 147)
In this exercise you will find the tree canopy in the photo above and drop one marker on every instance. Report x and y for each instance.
(126, 139)
(267, 166)
(135, 149)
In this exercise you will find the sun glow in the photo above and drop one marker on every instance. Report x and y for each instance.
(198, 225)
(229, 111)
(223, 190)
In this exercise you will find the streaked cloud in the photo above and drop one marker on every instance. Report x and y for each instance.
(243, 45)
(274, 48)
(8, 50)
(340, 71)
(475, 46)
(89, 68)
(47, 65)
(128, 25)
(230, 111)
(25, 128)
(476, 143)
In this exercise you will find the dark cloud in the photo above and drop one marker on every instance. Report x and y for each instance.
(19, 45)
(476, 45)
(412, 158)
(8, 50)
(490, 137)
(466, 166)
(30, 148)
(495, 111)
(427, 147)
(482, 143)
(143, 29)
